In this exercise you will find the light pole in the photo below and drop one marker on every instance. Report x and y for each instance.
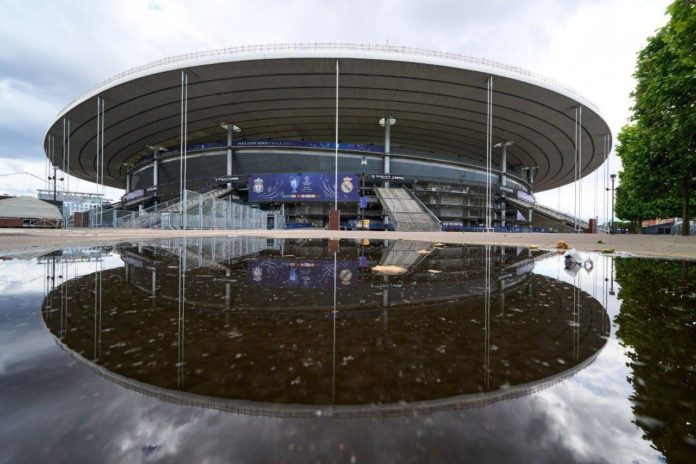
(387, 122)
(231, 130)
(611, 227)
(503, 176)
(54, 178)
(363, 163)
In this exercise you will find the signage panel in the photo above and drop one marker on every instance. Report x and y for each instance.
(306, 186)
(311, 273)
(226, 179)
(524, 196)
(388, 177)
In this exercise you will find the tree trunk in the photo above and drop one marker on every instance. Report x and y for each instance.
(686, 222)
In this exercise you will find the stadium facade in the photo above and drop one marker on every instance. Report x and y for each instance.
(466, 140)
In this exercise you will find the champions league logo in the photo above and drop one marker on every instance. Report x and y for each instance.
(347, 185)
(294, 183)
(258, 185)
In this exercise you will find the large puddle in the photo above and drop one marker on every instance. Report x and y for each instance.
(338, 351)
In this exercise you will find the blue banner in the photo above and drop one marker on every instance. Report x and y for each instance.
(309, 273)
(306, 186)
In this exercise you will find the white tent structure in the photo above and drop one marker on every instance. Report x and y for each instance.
(29, 212)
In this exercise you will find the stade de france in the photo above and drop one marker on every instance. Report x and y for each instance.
(392, 137)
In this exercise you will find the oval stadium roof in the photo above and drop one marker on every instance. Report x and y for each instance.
(287, 92)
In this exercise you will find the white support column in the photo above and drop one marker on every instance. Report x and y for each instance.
(503, 164)
(489, 154)
(67, 142)
(182, 149)
(62, 153)
(334, 216)
(577, 170)
(99, 158)
(503, 180)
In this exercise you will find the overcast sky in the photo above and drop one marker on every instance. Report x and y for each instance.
(52, 51)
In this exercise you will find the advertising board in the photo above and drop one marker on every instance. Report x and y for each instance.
(306, 186)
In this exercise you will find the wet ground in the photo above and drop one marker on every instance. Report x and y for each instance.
(246, 349)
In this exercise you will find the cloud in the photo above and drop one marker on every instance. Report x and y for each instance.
(52, 52)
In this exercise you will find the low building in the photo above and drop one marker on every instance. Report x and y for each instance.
(29, 212)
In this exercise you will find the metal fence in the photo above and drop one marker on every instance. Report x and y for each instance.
(202, 212)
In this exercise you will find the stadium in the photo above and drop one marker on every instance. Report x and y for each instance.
(413, 139)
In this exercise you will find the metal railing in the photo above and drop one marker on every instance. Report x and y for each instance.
(202, 212)
(314, 46)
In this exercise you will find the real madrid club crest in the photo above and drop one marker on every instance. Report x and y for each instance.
(258, 185)
(347, 185)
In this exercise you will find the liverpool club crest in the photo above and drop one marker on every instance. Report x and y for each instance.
(258, 185)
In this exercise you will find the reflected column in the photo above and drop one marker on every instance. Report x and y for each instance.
(335, 311)
(487, 317)
(97, 308)
(181, 319)
(576, 316)
(153, 294)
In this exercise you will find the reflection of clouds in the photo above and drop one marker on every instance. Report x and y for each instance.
(584, 419)
(593, 411)
(23, 336)
(122, 424)
(26, 276)
(57, 410)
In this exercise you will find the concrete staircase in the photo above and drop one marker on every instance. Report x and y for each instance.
(405, 211)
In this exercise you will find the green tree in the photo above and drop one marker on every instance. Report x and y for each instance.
(630, 208)
(658, 148)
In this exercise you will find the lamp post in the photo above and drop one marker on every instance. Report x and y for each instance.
(529, 174)
(611, 224)
(231, 130)
(363, 163)
(387, 122)
(503, 175)
(54, 178)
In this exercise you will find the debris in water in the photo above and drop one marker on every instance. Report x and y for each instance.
(389, 270)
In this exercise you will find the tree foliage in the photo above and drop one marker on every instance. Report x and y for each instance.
(658, 147)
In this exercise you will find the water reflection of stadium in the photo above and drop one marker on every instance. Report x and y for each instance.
(194, 321)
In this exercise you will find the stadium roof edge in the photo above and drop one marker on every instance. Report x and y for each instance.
(332, 50)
